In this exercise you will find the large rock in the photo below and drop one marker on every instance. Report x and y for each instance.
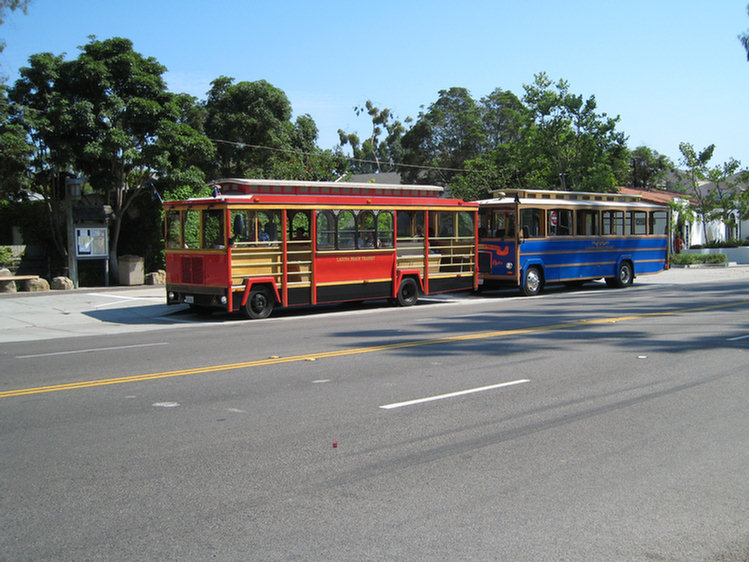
(36, 285)
(156, 277)
(62, 283)
(7, 286)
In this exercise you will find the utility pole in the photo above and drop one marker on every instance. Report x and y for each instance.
(72, 194)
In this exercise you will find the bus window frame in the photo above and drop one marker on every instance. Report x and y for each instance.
(635, 225)
(561, 211)
(581, 221)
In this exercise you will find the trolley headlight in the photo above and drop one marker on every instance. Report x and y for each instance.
(170, 295)
(509, 265)
(223, 300)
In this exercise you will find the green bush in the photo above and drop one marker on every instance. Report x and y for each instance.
(6, 256)
(690, 259)
(730, 243)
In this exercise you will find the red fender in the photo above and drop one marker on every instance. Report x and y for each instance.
(248, 283)
(400, 274)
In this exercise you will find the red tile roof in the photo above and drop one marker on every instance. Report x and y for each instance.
(659, 196)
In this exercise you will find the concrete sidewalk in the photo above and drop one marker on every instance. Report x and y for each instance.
(113, 310)
(82, 312)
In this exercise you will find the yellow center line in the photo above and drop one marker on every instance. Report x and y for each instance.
(356, 351)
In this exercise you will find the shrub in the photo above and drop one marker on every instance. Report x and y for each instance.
(6, 256)
(690, 259)
(730, 243)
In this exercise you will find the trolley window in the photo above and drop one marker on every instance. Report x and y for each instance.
(659, 222)
(639, 222)
(613, 223)
(560, 222)
(530, 223)
(587, 223)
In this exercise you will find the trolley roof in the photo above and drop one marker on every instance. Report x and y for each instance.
(241, 186)
(567, 198)
(240, 191)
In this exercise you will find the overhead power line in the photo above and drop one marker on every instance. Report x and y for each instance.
(360, 160)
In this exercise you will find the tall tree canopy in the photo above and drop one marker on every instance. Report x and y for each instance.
(549, 139)
(40, 111)
(376, 154)
(250, 122)
(107, 116)
(582, 149)
(443, 138)
(648, 168)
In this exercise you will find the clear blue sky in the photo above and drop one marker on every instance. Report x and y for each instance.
(672, 70)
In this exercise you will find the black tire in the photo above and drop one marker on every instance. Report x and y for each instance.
(259, 303)
(533, 281)
(624, 276)
(408, 292)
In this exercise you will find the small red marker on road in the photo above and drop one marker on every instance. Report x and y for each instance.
(335, 444)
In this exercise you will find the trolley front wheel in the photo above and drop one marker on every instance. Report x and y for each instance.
(533, 281)
(259, 303)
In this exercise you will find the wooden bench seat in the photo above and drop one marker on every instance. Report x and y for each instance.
(18, 277)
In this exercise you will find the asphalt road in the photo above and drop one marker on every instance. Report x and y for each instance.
(582, 425)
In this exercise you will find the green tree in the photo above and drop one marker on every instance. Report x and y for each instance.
(39, 110)
(302, 159)
(181, 151)
(582, 148)
(251, 124)
(648, 168)
(106, 115)
(741, 195)
(696, 165)
(503, 117)
(443, 138)
(726, 195)
(122, 105)
(375, 153)
(550, 139)
(15, 153)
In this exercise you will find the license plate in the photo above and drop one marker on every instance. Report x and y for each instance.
(189, 299)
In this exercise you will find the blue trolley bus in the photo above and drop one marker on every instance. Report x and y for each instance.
(530, 238)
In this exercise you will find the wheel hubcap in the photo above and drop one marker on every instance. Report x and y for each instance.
(258, 303)
(624, 274)
(533, 281)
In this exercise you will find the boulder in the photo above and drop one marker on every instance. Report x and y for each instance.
(62, 283)
(36, 285)
(156, 277)
(8, 286)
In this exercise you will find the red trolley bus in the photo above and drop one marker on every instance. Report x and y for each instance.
(260, 244)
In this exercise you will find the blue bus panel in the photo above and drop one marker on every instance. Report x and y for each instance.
(571, 259)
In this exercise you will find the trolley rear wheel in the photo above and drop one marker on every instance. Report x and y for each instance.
(408, 292)
(624, 276)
